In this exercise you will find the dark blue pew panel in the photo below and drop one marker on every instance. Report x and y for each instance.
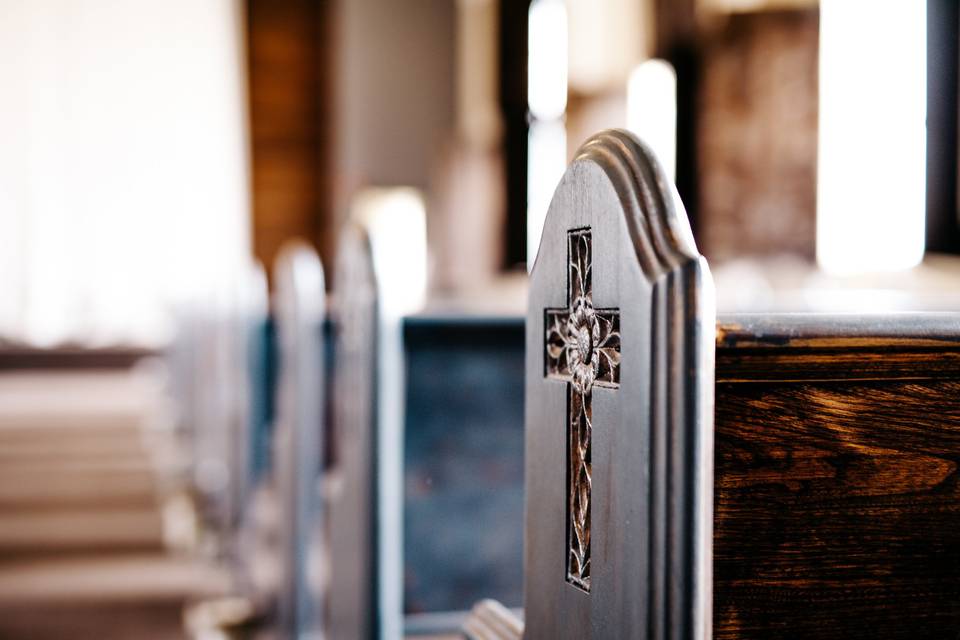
(463, 467)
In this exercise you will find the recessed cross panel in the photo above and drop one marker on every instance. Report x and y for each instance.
(582, 348)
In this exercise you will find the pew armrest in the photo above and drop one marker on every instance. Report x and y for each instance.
(490, 620)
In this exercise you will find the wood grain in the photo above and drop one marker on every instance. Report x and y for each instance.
(837, 501)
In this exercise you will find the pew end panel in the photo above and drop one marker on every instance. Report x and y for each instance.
(619, 407)
(298, 442)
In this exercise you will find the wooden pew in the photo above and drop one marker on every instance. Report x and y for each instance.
(298, 441)
(446, 389)
(73, 458)
(252, 547)
(278, 548)
(82, 536)
(619, 336)
(836, 505)
(828, 508)
(207, 359)
(361, 482)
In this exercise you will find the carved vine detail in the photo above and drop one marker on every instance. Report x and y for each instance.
(582, 348)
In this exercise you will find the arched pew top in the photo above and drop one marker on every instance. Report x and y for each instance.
(298, 275)
(619, 407)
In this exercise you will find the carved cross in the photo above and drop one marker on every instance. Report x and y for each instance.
(583, 349)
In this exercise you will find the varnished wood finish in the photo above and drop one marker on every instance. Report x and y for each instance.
(838, 331)
(785, 347)
(652, 436)
(837, 497)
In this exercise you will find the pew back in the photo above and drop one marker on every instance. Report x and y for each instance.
(351, 479)
(297, 449)
(209, 357)
(619, 407)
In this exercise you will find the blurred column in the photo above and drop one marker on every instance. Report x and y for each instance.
(467, 222)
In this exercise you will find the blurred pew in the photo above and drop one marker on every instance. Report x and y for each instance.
(274, 547)
(298, 440)
(75, 472)
(83, 545)
(426, 452)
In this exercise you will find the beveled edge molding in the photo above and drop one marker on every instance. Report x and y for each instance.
(661, 236)
(683, 326)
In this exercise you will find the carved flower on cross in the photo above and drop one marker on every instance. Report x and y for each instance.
(583, 334)
(584, 345)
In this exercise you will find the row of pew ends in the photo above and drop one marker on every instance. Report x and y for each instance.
(616, 462)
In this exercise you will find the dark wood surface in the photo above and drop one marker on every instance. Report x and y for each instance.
(775, 347)
(838, 331)
(649, 446)
(21, 357)
(837, 498)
